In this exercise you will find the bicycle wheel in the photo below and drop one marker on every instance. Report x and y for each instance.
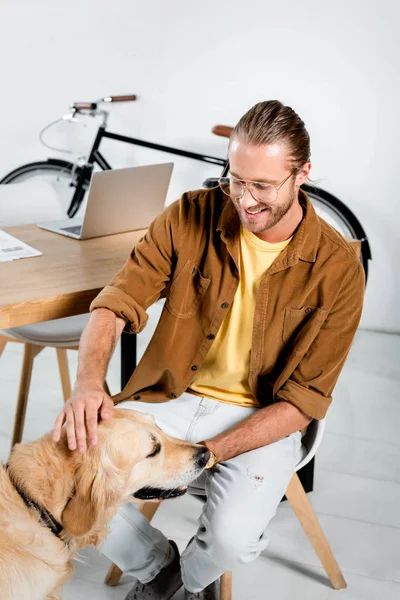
(60, 174)
(339, 216)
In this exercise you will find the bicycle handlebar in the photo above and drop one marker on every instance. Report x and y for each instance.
(128, 98)
(92, 106)
(84, 105)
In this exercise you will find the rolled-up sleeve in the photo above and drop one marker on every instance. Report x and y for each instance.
(313, 380)
(148, 269)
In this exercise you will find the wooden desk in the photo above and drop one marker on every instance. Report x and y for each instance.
(64, 280)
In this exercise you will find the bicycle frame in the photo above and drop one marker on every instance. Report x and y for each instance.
(95, 157)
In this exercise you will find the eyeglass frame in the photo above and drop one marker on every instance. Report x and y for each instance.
(247, 181)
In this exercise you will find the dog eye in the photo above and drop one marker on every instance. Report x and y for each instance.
(157, 450)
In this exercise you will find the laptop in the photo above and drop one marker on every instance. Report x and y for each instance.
(119, 200)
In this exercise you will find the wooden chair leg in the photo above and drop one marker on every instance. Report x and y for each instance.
(64, 372)
(307, 517)
(3, 342)
(148, 509)
(225, 591)
(113, 576)
(30, 351)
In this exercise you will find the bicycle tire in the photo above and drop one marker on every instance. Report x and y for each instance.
(68, 170)
(51, 164)
(346, 216)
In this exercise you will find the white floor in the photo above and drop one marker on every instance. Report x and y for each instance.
(357, 484)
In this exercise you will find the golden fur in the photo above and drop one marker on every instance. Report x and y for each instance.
(82, 492)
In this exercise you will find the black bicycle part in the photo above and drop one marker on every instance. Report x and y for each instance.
(84, 177)
(49, 164)
(81, 186)
(211, 182)
(169, 149)
(80, 177)
(347, 216)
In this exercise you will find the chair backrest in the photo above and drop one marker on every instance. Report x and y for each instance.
(29, 202)
(311, 440)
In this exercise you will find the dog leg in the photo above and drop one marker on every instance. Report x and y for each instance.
(56, 593)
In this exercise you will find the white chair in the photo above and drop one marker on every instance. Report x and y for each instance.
(20, 204)
(299, 502)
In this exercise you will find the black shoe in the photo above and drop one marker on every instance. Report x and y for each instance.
(163, 586)
(211, 592)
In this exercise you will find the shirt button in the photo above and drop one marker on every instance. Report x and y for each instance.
(194, 368)
(211, 336)
(225, 305)
(172, 395)
(308, 311)
(137, 397)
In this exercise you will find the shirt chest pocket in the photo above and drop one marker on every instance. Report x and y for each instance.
(187, 291)
(301, 326)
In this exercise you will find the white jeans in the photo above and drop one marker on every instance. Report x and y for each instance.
(242, 497)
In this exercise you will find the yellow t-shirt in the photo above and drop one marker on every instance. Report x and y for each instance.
(224, 373)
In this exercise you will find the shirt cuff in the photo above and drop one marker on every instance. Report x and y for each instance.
(122, 305)
(312, 404)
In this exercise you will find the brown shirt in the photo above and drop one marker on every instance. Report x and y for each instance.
(307, 311)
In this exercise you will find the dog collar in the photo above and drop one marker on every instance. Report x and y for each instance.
(47, 518)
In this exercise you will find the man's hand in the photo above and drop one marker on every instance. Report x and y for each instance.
(267, 425)
(80, 413)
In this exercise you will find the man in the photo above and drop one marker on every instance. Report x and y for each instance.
(263, 299)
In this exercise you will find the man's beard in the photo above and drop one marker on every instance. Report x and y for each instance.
(275, 214)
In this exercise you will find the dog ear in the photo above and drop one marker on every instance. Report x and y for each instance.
(101, 479)
(97, 490)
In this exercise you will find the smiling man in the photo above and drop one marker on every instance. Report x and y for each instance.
(263, 299)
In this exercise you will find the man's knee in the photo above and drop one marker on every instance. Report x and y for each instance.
(230, 543)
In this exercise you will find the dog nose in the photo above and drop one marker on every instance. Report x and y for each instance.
(202, 458)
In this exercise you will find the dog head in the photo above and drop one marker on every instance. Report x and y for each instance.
(133, 458)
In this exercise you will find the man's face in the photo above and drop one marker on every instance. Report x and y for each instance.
(267, 164)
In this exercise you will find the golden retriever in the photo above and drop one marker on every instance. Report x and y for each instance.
(81, 492)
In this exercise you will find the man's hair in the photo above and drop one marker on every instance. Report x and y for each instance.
(270, 122)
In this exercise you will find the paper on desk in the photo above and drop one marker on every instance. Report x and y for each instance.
(11, 248)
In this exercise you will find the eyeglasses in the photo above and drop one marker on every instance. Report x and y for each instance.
(261, 192)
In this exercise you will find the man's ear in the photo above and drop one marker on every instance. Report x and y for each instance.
(303, 173)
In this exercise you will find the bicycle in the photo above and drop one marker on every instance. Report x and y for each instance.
(71, 180)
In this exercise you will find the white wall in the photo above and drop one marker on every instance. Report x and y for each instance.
(194, 64)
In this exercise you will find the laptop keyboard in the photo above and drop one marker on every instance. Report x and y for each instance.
(73, 229)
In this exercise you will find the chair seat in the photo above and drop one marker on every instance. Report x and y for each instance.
(57, 333)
